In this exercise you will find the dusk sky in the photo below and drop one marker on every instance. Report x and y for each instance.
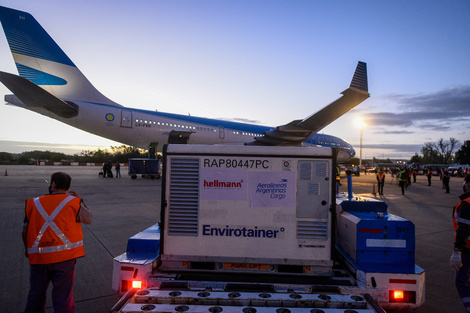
(265, 62)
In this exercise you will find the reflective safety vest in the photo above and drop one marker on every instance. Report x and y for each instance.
(54, 235)
(457, 220)
(401, 176)
(381, 176)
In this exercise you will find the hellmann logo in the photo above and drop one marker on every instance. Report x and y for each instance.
(222, 184)
(242, 231)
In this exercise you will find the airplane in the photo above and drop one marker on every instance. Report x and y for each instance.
(50, 84)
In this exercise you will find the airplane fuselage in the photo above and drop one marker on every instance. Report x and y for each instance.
(139, 128)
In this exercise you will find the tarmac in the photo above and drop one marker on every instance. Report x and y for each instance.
(123, 207)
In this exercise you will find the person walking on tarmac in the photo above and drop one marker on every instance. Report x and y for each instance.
(380, 182)
(118, 169)
(105, 169)
(429, 174)
(402, 180)
(442, 173)
(109, 167)
(338, 179)
(446, 180)
(460, 259)
(53, 240)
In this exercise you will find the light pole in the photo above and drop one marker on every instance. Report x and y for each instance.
(361, 124)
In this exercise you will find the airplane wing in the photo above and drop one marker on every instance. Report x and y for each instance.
(298, 131)
(34, 96)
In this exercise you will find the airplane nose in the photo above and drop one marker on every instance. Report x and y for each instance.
(352, 151)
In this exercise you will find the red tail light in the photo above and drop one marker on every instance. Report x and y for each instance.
(405, 296)
(398, 295)
(137, 284)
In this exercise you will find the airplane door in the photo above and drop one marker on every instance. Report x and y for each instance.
(221, 132)
(126, 119)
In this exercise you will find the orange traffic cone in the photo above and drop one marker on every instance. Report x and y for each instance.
(373, 189)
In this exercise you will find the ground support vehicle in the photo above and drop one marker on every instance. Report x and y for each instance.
(145, 167)
(260, 229)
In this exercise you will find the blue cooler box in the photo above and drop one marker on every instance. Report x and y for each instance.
(376, 240)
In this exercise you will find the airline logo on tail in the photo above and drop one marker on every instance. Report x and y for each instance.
(29, 42)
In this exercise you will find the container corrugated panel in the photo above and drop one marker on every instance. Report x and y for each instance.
(312, 229)
(184, 197)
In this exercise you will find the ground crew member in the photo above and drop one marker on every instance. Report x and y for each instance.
(338, 179)
(118, 169)
(53, 239)
(381, 182)
(429, 174)
(441, 177)
(446, 180)
(460, 259)
(402, 180)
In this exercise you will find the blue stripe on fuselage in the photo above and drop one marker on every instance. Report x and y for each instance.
(317, 139)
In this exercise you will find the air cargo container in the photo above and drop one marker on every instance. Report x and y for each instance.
(261, 229)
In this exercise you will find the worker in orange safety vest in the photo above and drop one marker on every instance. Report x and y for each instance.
(380, 182)
(460, 259)
(53, 239)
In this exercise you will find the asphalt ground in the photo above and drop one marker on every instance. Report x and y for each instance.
(122, 207)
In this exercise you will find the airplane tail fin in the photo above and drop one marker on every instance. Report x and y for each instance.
(39, 59)
(359, 80)
(298, 131)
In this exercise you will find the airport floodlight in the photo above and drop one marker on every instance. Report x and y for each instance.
(361, 124)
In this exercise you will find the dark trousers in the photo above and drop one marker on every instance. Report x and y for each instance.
(446, 180)
(402, 186)
(380, 186)
(462, 281)
(62, 276)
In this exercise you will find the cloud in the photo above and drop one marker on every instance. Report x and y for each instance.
(393, 132)
(437, 126)
(13, 146)
(244, 120)
(434, 111)
(451, 102)
(411, 148)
